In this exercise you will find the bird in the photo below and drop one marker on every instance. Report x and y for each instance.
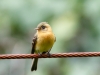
(43, 41)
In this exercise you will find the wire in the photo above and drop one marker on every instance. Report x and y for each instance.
(58, 55)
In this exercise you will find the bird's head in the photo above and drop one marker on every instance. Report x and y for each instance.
(43, 27)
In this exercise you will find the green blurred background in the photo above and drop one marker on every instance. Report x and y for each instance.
(75, 23)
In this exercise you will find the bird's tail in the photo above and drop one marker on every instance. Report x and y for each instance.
(34, 65)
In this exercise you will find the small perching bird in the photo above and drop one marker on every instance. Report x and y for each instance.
(43, 41)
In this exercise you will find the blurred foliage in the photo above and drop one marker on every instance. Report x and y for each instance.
(76, 26)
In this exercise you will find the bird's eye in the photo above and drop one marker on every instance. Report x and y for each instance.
(43, 27)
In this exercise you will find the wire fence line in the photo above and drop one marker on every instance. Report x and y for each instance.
(57, 55)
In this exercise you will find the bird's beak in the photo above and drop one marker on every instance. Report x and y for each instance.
(37, 28)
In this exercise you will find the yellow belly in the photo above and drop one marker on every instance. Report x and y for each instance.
(45, 42)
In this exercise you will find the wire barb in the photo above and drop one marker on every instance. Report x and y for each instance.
(58, 55)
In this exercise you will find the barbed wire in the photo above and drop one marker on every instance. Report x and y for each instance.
(57, 55)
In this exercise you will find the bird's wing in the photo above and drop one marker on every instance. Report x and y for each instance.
(34, 43)
(55, 39)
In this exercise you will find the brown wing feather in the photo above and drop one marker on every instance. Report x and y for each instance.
(34, 43)
(34, 65)
(55, 39)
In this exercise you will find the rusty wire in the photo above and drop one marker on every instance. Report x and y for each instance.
(58, 55)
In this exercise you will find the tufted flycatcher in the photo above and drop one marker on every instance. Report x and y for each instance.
(43, 41)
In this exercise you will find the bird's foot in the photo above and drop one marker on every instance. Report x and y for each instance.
(49, 54)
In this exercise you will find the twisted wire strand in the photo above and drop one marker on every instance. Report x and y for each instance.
(58, 55)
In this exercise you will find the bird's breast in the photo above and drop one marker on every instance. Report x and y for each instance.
(45, 42)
